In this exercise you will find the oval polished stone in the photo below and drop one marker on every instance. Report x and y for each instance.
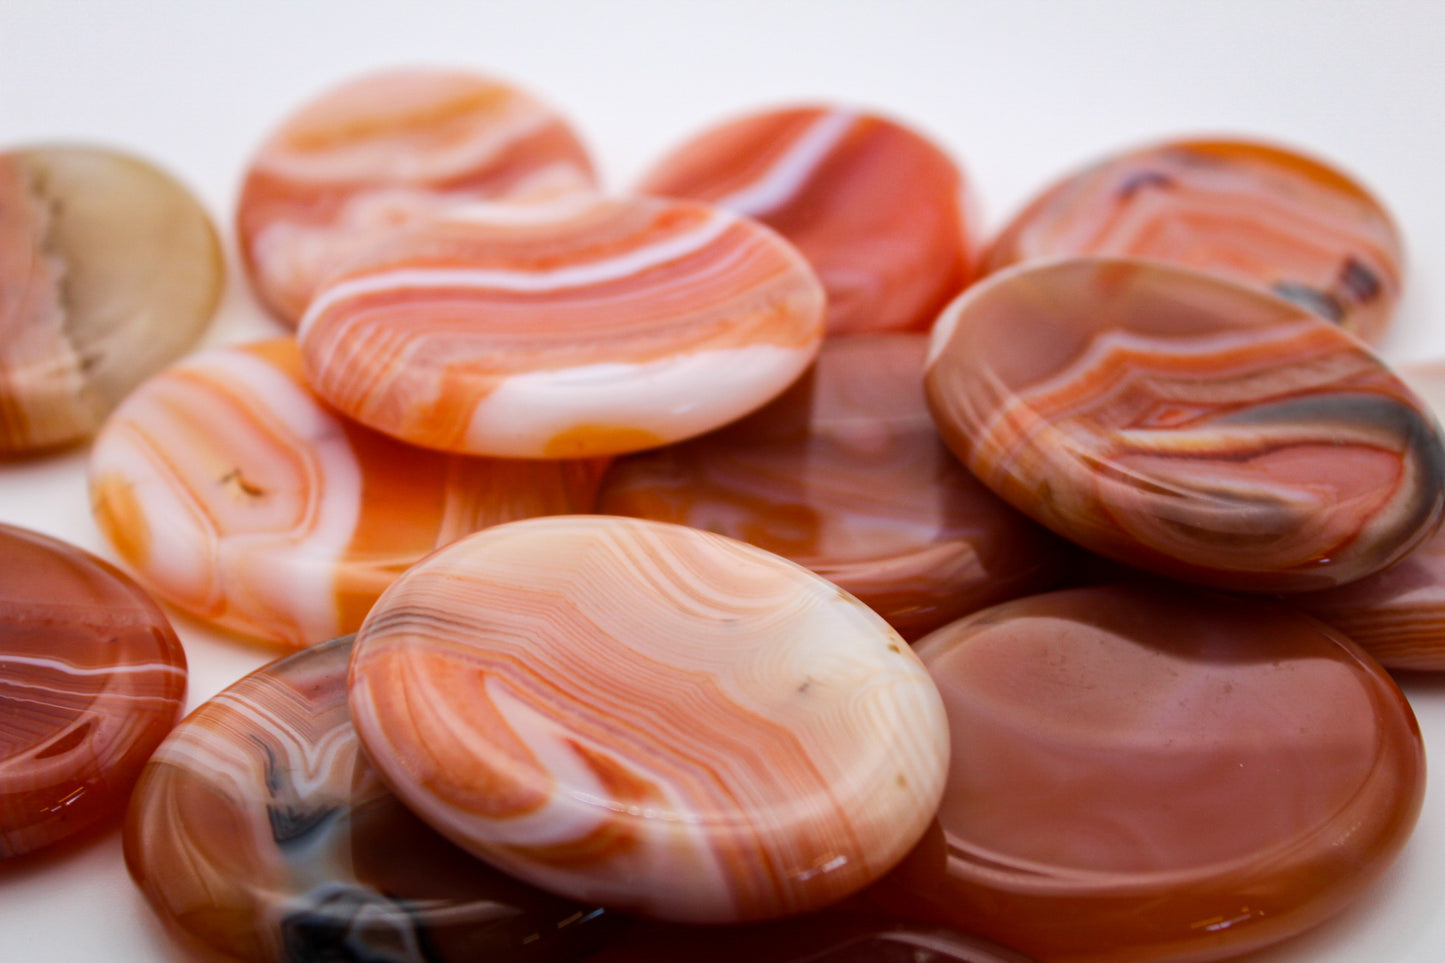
(235, 494)
(845, 474)
(109, 270)
(1153, 773)
(260, 832)
(650, 717)
(385, 149)
(1185, 425)
(92, 677)
(1262, 215)
(1397, 615)
(881, 212)
(590, 326)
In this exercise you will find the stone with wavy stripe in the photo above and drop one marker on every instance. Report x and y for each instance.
(260, 833)
(845, 474)
(1258, 214)
(883, 214)
(235, 494)
(388, 148)
(1187, 425)
(110, 269)
(92, 677)
(1150, 773)
(589, 326)
(650, 717)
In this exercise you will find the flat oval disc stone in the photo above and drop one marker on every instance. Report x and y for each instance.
(1149, 772)
(1258, 214)
(845, 474)
(92, 677)
(1187, 425)
(586, 327)
(650, 717)
(385, 149)
(259, 831)
(236, 494)
(882, 213)
(110, 269)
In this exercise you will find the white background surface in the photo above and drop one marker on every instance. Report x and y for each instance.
(1020, 90)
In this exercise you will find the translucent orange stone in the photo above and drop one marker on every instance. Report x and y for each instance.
(882, 213)
(845, 474)
(1150, 773)
(1259, 214)
(92, 677)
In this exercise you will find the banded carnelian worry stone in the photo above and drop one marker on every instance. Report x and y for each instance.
(92, 677)
(591, 326)
(386, 149)
(650, 717)
(1184, 424)
(1258, 214)
(882, 213)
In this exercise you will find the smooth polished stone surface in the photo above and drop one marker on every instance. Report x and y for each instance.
(1259, 214)
(259, 831)
(1398, 615)
(235, 494)
(109, 270)
(92, 677)
(388, 148)
(845, 474)
(1157, 773)
(650, 717)
(1185, 424)
(591, 326)
(880, 211)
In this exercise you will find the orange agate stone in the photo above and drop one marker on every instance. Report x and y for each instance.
(92, 677)
(235, 494)
(1147, 773)
(880, 211)
(1186, 425)
(649, 717)
(846, 475)
(387, 149)
(1258, 214)
(591, 326)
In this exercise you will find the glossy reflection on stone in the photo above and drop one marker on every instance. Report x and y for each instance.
(846, 475)
(1186, 425)
(109, 270)
(881, 212)
(1398, 615)
(1157, 773)
(1258, 214)
(92, 677)
(235, 494)
(386, 149)
(259, 831)
(650, 717)
(591, 326)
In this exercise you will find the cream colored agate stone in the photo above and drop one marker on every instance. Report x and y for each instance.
(386, 149)
(109, 270)
(233, 493)
(650, 717)
(589, 326)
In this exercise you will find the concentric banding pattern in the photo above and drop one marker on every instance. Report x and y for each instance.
(585, 327)
(390, 148)
(260, 831)
(1184, 424)
(882, 213)
(92, 677)
(235, 494)
(649, 717)
(1257, 214)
